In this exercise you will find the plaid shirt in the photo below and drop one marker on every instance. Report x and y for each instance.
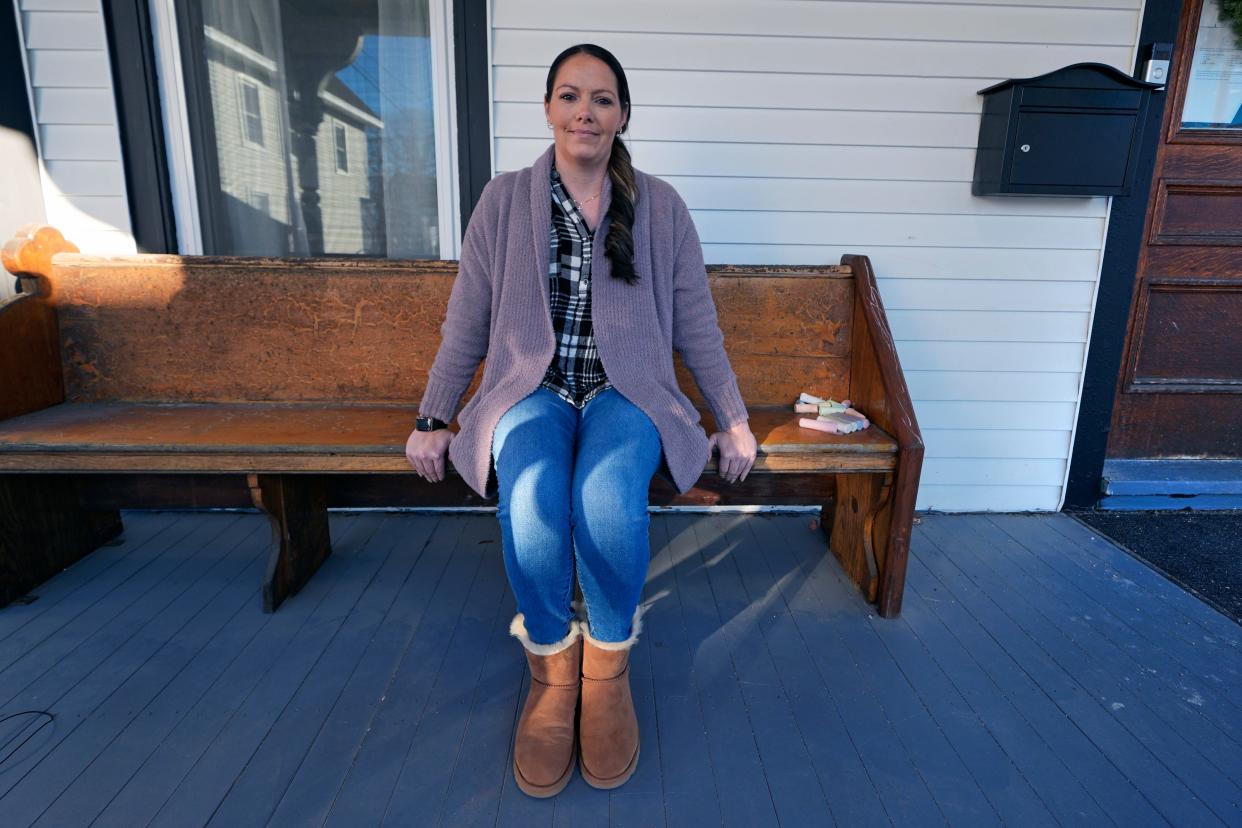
(576, 373)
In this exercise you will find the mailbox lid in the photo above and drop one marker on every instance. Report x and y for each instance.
(1061, 97)
(1078, 148)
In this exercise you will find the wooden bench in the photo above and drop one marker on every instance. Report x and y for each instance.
(291, 385)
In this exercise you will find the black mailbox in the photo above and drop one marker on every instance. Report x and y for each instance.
(1073, 131)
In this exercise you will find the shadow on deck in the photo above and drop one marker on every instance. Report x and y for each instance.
(1038, 676)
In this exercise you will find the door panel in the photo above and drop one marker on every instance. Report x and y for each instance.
(1180, 389)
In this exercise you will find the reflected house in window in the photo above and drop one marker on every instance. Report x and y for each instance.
(315, 131)
(349, 175)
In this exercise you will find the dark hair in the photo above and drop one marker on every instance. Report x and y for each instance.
(619, 246)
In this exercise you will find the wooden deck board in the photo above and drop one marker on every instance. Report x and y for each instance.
(1113, 667)
(1016, 688)
(1069, 773)
(45, 664)
(203, 716)
(149, 698)
(97, 688)
(1106, 732)
(900, 783)
(363, 795)
(472, 797)
(795, 788)
(255, 792)
(1188, 745)
(435, 746)
(851, 794)
(96, 573)
(122, 758)
(956, 793)
(689, 782)
(203, 789)
(1169, 610)
(55, 631)
(1161, 668)
(741, 781)
(417, 570)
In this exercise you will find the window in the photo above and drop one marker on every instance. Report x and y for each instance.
(251, 112)
(341, 144)
(352, 105)
(1214, 89)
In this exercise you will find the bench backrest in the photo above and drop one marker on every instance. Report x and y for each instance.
(196, 328)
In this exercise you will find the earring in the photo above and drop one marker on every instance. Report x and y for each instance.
(549, 124)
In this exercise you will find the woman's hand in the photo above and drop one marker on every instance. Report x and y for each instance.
(737, 451)
(426, 451)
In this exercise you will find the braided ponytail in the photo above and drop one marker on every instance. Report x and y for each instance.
(619, 245)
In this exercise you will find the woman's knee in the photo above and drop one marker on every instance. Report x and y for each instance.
(525, 428)
(532, 447)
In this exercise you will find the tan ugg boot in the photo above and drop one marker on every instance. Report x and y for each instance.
(543, 749)
(607, 724)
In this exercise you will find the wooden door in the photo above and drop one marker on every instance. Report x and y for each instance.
(1180, 389)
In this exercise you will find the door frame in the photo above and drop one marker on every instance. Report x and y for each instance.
(1126, 225)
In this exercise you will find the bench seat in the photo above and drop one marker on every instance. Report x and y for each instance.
(330, 438)
(291, 386)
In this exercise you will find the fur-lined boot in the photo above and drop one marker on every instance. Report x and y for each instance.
(543, 749)
(607, 724)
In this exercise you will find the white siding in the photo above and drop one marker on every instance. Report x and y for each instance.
(798, 131)
(75, 114)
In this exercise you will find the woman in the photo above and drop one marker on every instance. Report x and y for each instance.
(579, 407)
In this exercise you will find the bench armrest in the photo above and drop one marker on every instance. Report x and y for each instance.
(877, 384)
(31, 377)
(878, 388)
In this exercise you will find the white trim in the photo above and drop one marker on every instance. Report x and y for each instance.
(491, 97)
(6, 283)
(30, 102)
(443, 79)
(238, 48)
(350, 110)
(184, 188)
(336, 124)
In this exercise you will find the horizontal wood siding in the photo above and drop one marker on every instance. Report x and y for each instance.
(798, 131)
(75, 113)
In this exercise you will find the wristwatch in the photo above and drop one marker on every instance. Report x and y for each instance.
(429, 424)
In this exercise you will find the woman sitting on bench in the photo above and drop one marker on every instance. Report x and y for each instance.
(579, 407)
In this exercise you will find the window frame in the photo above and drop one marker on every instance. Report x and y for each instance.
(447, 57)
(244, 81)
(340, 149)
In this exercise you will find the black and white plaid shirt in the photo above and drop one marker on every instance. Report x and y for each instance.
(576, 373)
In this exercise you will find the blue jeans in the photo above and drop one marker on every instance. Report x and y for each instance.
(572, 488)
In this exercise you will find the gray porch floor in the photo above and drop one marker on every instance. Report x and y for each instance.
(1037, 676)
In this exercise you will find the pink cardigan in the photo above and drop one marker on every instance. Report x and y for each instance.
(499, 309)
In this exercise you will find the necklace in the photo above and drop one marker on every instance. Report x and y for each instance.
(581, 204)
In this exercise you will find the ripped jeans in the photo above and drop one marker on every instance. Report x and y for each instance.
(572, 494)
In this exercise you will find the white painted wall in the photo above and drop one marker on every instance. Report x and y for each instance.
(75, 117)
(798, 130)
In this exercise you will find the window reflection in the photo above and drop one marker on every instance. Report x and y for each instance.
(313, 125)
(1214, 89)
